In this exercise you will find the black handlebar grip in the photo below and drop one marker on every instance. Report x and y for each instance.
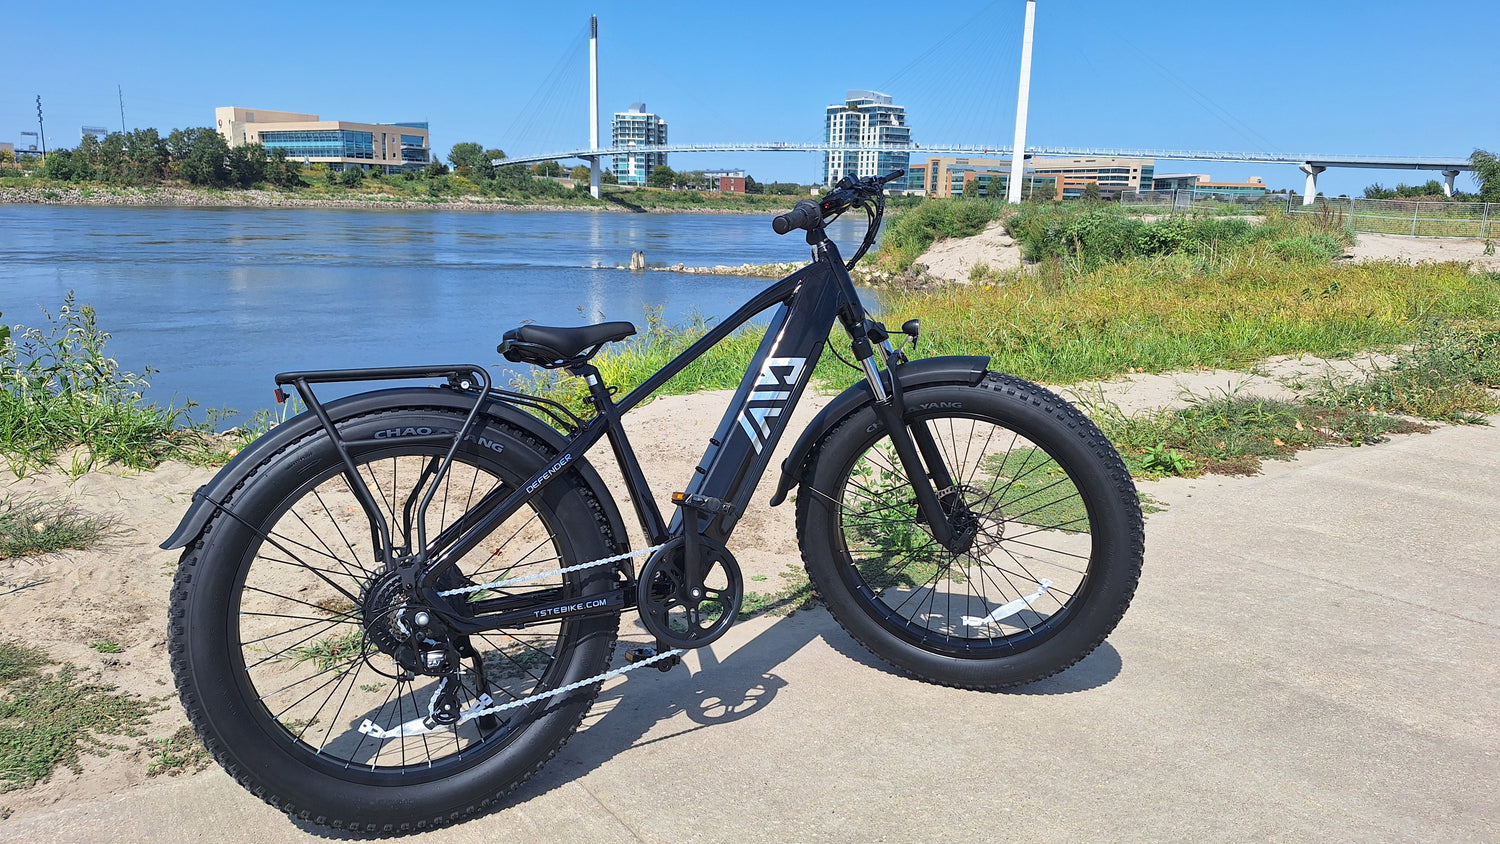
(892, 176)
(806, 215)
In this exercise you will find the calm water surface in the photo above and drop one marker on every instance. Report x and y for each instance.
(218, 300)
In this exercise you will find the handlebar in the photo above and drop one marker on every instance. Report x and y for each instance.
(848, 193)
(806, 215)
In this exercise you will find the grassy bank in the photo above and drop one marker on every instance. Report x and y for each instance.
(393, 191)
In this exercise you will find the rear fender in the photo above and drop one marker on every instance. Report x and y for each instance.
(953, 369)
(233, 473)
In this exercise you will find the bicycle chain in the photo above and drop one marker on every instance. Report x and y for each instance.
(598, 678)
(498, 584)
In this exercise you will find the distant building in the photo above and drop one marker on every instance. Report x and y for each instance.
(726, 181)
(638, 127)
(982, 177)
(1114, 176)
(866, 117)
(1203, 184)
(337, 143)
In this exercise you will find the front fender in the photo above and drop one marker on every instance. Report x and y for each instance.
(952, 369)
(229, 477)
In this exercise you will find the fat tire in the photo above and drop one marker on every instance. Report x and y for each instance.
(943, 651)
(263, 755)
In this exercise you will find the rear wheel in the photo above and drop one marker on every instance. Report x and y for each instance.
(1055, 525)
(291, 644)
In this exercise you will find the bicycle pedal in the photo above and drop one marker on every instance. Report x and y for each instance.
(642, 654)
(703, 503)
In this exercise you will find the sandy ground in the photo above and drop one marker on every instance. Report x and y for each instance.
(118, 591)
(1392, 247)
(952, 259)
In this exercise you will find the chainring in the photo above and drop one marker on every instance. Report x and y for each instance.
(684, 615)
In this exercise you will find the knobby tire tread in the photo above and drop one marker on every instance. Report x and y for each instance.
(177, 652)
(1120, 484)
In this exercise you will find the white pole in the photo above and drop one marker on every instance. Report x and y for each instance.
(594, 104)
(1018, 149)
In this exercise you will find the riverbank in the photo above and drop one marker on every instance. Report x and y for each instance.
(616, 201)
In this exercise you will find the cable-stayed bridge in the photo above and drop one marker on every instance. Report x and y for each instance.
(1310, 164)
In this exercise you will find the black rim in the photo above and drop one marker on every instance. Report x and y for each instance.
(1030, 520)
(311, 654)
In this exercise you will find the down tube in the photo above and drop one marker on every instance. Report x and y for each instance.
(762, 406)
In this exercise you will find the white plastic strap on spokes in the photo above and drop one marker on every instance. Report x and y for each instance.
(1005, 611)
(416, 726)
(480, 707)
(527, 578)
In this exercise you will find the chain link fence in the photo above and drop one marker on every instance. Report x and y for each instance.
(1377, 216)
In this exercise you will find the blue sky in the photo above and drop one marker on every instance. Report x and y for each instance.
(1318, 77)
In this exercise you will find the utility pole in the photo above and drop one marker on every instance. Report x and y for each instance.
(40, 128)
(594, 164)
(121, 92)
(1018, 149)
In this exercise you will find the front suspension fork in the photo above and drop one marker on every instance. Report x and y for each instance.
(919, 454)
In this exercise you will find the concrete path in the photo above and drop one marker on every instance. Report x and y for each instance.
(1314, 655)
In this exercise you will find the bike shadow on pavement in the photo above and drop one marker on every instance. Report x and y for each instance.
(730, 683)
(721, 684)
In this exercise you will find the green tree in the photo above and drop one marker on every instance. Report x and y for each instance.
(547, 168)
(608, 177)
(60, 165)
(1487, 173)
(283, 171)
(247, 164)
(1091, 193)
(581, 173)
(353, 174)
(752, 186)
(145, 157)
(435, 169)
(111, 166)
(1379, 191)
(661, 176)
(207, 160)
(471, 160)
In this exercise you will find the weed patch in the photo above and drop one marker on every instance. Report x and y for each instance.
(48, 720)
(179, 753)
(795, 594)
(1231, 434)
(29, 526)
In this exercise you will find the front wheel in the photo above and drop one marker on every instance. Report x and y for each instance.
(1056, 538)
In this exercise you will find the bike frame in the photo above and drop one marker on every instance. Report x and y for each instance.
(809, 300)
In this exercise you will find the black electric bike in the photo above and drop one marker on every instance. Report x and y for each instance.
(395, 607)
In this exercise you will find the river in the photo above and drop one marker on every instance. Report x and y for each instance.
(217, 300)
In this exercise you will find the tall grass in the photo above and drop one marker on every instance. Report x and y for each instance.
(1187, 310)
(60, 390)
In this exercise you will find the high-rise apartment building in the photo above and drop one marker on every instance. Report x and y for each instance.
(336, 143)
(637, 127)
(866, 117)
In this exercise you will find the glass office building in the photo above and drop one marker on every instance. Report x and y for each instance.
(337, 144)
